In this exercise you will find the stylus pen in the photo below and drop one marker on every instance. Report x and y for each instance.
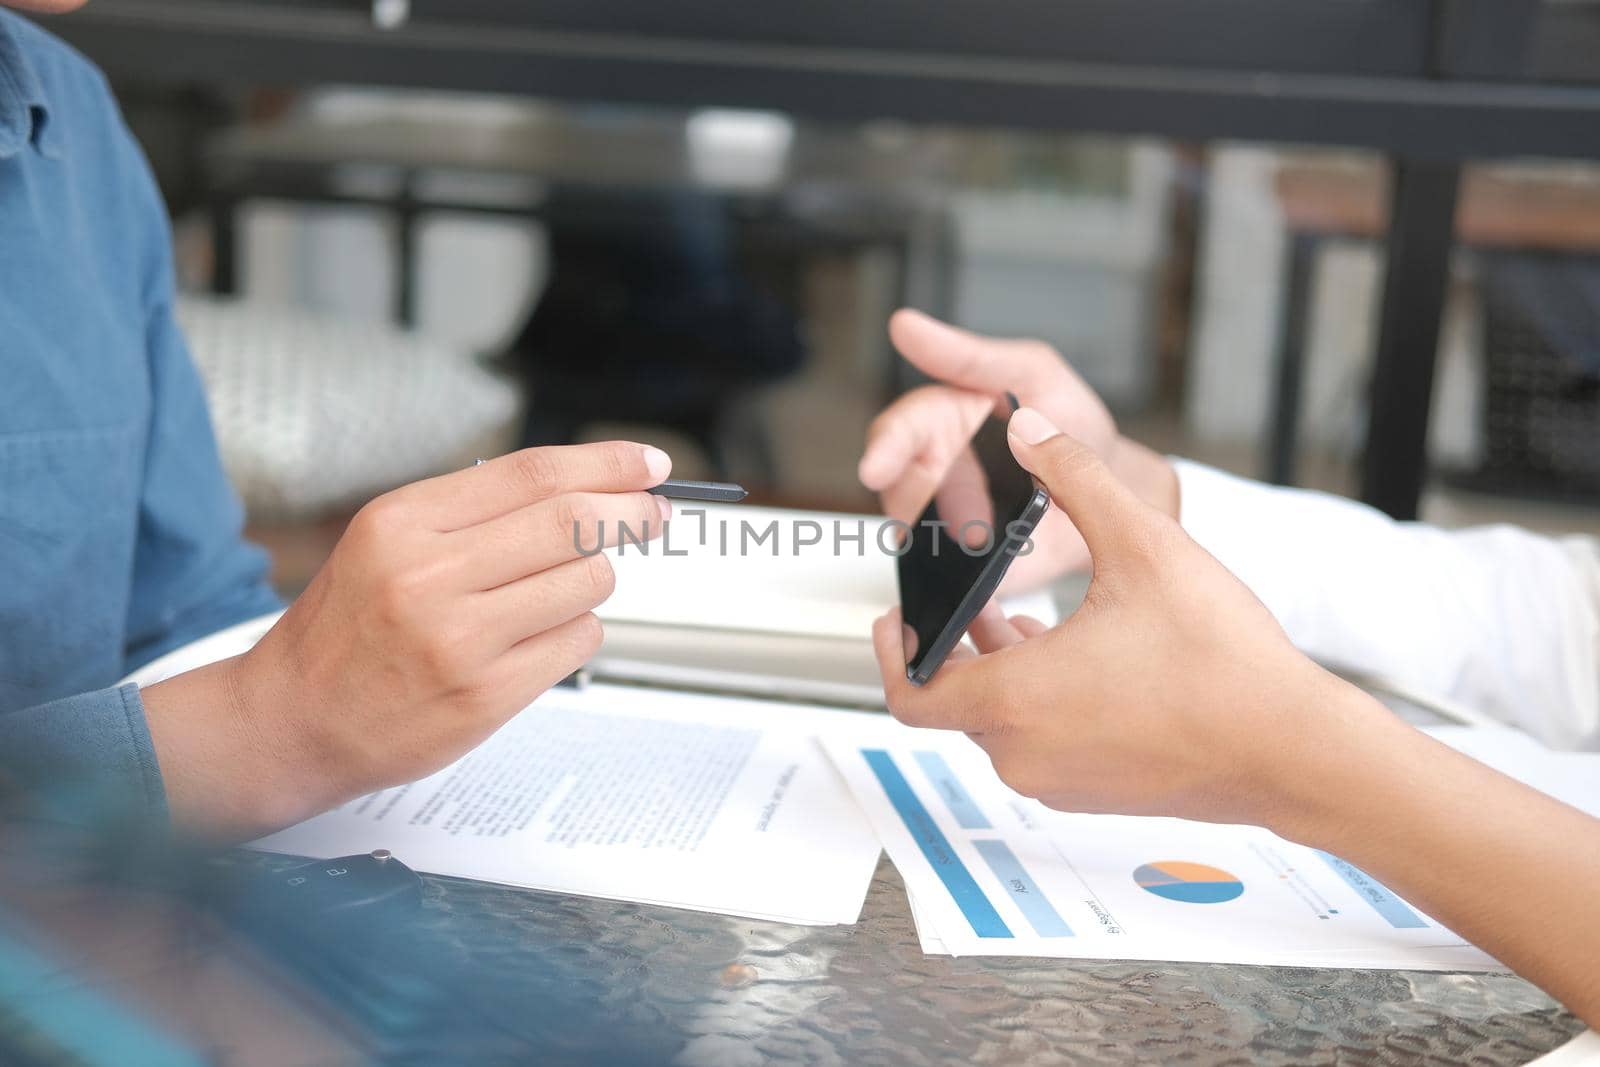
(718, 492)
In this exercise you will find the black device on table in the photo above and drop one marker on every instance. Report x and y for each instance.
(372, 889)
(978, 520)
(419, 990)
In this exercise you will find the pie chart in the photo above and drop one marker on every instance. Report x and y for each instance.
(1191, 883)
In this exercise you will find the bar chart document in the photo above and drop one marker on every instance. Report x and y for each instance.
(692, 801)
(992, 873)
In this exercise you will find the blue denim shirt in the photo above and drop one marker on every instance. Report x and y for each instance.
(119, 534)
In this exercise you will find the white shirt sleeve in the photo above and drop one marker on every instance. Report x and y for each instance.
(1496, 618)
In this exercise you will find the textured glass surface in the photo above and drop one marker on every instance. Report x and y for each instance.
(711, 989)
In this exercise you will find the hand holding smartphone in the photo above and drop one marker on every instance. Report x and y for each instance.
(978, 520)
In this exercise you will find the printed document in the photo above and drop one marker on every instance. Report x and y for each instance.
(990, 872)
(692, 801)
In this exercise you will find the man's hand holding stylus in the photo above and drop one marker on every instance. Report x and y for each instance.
(914, 441)
(447, 606)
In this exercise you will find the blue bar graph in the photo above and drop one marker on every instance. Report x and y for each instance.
(1385, 903)
(954, 794)
(1041, 914)
(986, 922)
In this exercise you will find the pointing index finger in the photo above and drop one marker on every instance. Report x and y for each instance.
(985, 364)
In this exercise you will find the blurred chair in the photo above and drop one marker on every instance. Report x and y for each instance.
(1537, 231)
(648, 319)
(1542, 386)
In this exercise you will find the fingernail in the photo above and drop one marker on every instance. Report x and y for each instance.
(1031, 427)
(658, 463)
(666, 507)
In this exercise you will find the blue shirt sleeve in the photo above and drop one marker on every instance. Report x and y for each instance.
(85, 760)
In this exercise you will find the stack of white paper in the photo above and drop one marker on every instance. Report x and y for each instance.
(766, 602)
(685, 800)
(757, 570)
(990, 872)
(768, 570)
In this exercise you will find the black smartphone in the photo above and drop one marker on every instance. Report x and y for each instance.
(978, 519)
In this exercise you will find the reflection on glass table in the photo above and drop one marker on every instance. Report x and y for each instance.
(137, 954)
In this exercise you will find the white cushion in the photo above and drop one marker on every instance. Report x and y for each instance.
(314, 413)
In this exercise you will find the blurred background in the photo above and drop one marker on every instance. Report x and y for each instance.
(1348, 244)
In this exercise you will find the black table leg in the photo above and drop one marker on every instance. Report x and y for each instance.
(946, 256)
(1284, 442)
(897, 373)
(224, 245)
(1421, 233)
(405, 293)
(930, 243)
